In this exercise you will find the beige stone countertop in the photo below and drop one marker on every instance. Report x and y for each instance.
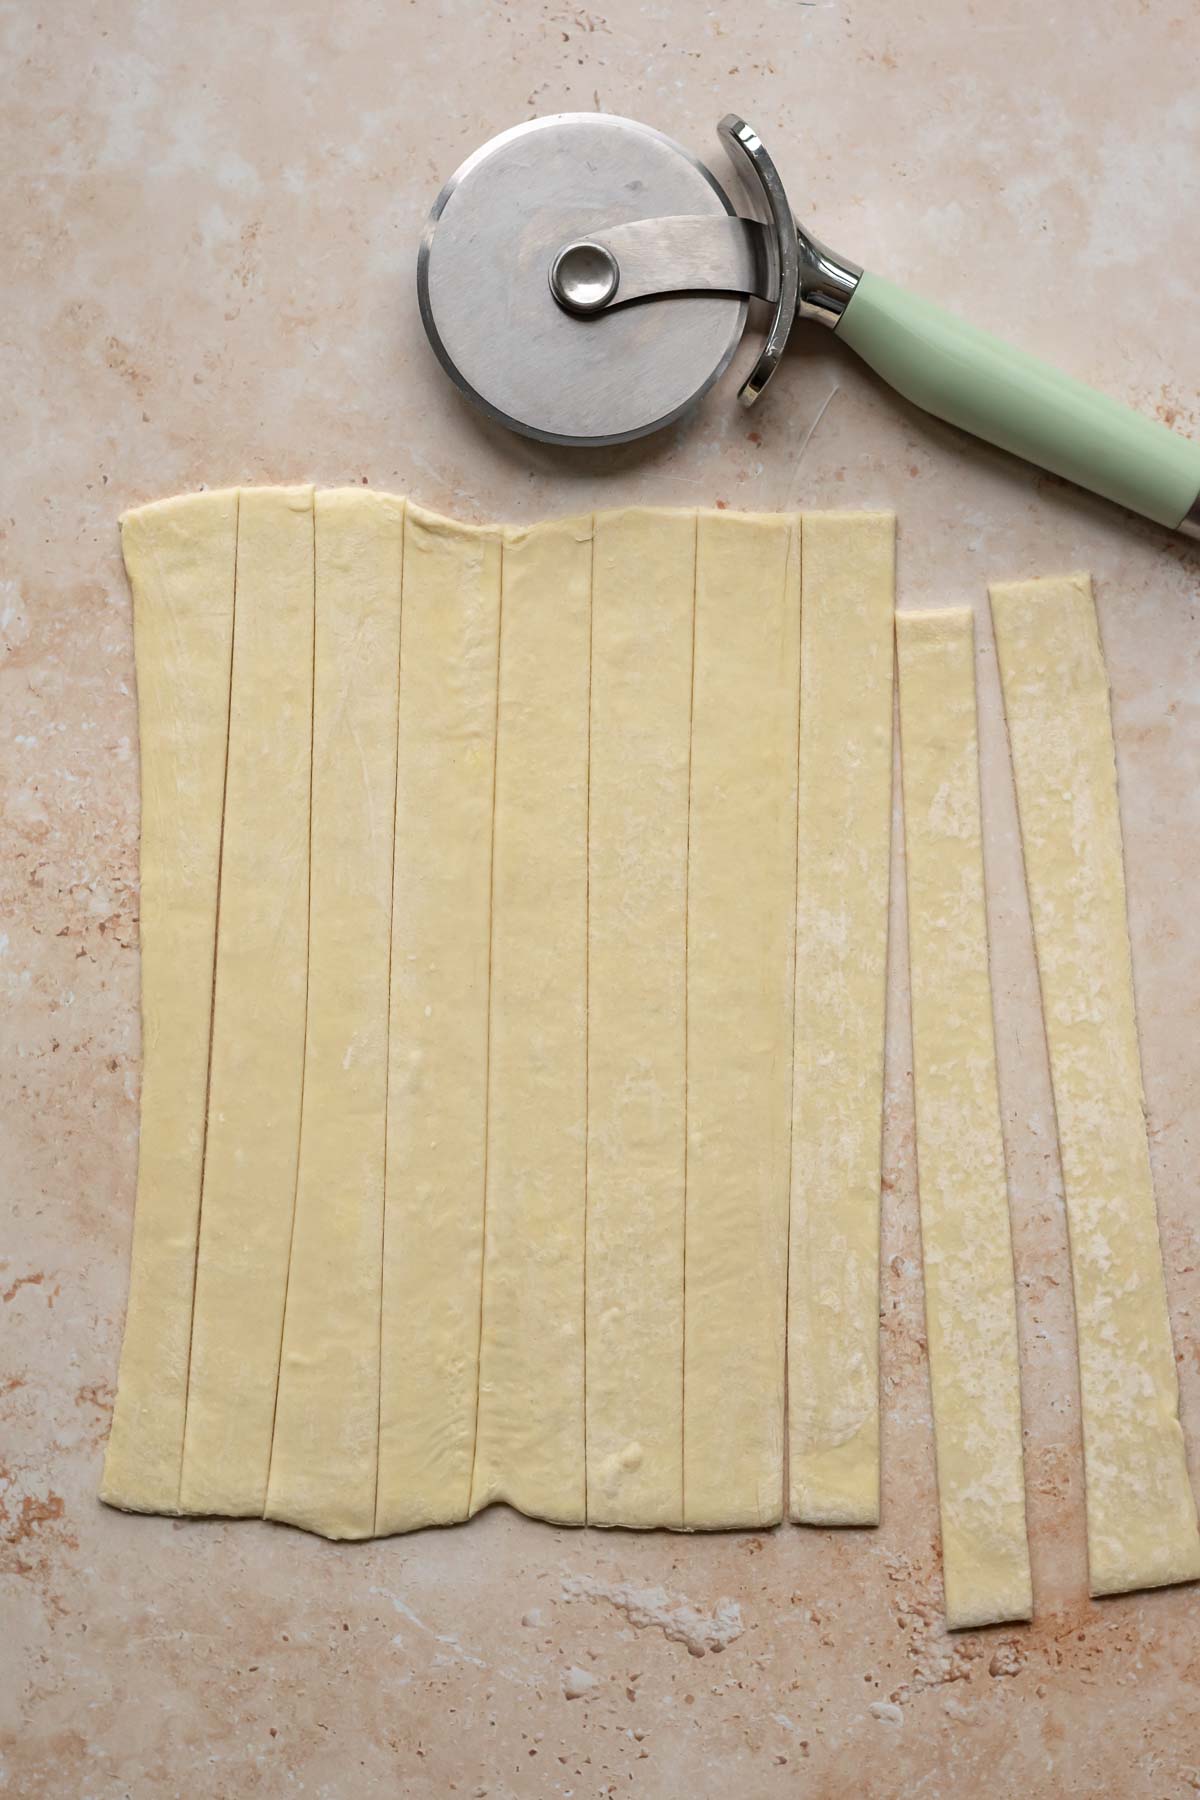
(211, 215)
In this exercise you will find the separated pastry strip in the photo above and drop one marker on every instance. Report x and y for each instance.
(257, 1063)
(438, 1040)
(740, 930)
(1141, 1514)
(642, 613)
(844, 833)
(529, 1447)
(180, 558)
(970, 1297)
(324, 1453)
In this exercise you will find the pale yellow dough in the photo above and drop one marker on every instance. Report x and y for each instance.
(529, 1445)
(532, 1227)
(970, 1296)
(438, 1037)
(1141, 1514)
(180, 558)
(259, 1007)
(324, 1454)
(845, 805)
(740, 934)
(643, 586)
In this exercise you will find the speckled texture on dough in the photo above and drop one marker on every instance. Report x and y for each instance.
(210, 279)
(843, 865)
(966, 1242)
(1140, 1508)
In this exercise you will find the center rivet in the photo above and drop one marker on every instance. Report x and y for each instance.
(584, 276)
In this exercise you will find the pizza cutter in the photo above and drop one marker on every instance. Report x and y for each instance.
(584, 279)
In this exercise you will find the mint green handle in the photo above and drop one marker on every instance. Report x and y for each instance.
(1020, 404)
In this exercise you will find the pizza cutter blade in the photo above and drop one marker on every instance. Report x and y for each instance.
(585, 279)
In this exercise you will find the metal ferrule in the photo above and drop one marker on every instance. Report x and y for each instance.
(1190, 523)
(827, 282)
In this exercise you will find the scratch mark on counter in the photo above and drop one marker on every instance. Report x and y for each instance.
(449, 1640)
(806, 440)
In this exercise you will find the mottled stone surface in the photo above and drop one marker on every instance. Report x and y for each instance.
(211, 218)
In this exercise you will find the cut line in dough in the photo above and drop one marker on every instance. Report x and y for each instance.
(257, 1056)
(740, 939)
(643, 589)
(530, 1445)
(324, 1451)
(438, 1031)
(180, 558)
